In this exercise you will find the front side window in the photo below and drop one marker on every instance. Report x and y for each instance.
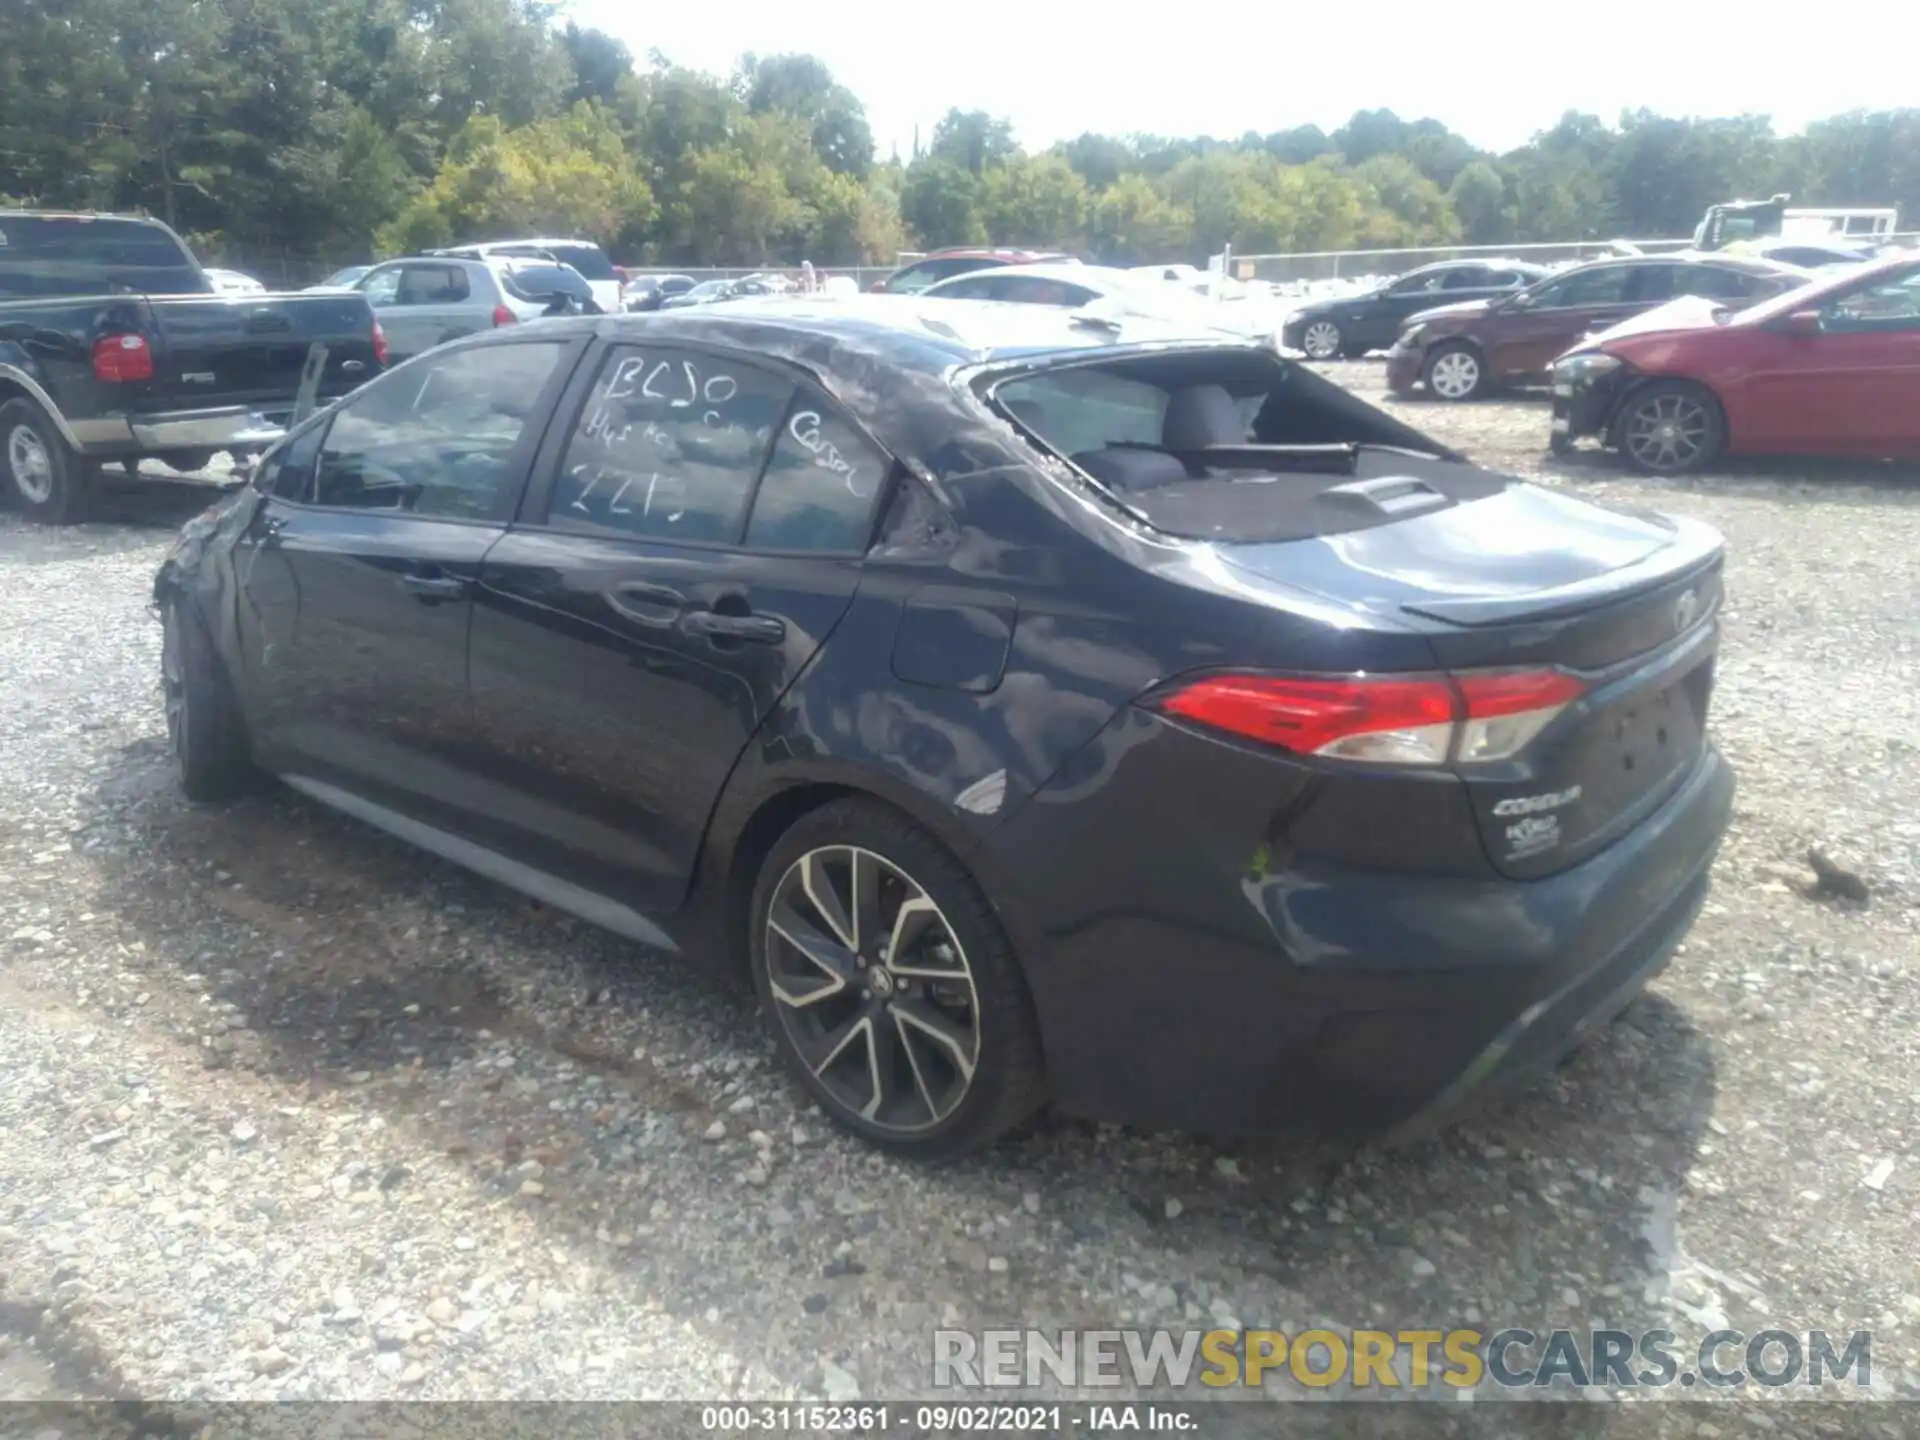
(440, 437)
(1891, 305)
(668, 445)
(821, 483)
(287, 472)
(382, 287)
(1470, 277)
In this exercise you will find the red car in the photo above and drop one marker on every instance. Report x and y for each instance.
(1832, 368)
(945, 264)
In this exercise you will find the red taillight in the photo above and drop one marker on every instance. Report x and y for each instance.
(1385, 719)
(379, 344)
(121, 358)
(503, 316)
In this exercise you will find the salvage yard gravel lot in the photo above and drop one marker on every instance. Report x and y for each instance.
(289, 1110)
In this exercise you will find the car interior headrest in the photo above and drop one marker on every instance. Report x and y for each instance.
(1202, 415)
(1127, 468)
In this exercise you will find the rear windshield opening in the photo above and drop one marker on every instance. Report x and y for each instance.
(590, 260)
(538, 283)
(1236, 445)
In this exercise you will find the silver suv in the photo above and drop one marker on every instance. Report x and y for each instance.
(425, 300)
(609, 292)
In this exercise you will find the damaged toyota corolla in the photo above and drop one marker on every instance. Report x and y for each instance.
(1028, 706)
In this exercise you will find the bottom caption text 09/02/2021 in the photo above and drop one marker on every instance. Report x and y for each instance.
(952, 1418)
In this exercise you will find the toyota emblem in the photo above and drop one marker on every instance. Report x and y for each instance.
(1685, 611)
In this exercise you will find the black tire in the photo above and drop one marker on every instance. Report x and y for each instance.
(1455, 372)
(204, 727)
(1006, 1080)
(1670, 427)
(39, 472)
(188, 462)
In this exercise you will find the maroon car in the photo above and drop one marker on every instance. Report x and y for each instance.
(945, 264)
(1460, 352)
(1833, 369)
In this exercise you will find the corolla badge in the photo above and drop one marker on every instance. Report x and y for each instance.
(1686, 610)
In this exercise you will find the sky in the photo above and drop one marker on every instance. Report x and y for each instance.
(1495, 72)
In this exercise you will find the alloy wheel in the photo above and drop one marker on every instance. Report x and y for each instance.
(1455, 375)
(1321, 340)
(32, 465)
(873, 988)
(1667, 432)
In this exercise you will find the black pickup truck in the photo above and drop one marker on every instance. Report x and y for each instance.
(115, 347)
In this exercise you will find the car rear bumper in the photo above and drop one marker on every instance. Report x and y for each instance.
(1193, 987)
(237, 428)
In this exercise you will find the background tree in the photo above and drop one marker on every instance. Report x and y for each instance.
(309, 133)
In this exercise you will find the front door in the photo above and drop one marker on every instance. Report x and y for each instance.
(356, 572)
(1851, 387)
(1526, 334)
(698, 535)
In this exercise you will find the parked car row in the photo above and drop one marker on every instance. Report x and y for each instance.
(1674, 361)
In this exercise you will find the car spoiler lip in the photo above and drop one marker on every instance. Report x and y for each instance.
(1695, 547)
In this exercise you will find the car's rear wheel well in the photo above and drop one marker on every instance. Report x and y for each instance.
(777, 814)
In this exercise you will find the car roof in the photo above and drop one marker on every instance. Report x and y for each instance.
(985, 252)
(888, 358)
(1066, 272)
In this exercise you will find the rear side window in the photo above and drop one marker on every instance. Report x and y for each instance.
(1603, 285)
(668, 446)
(821, 483)
(41, 255)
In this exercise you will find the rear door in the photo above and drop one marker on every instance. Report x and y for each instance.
(357, 570)
(1522, 338)
(696, 536)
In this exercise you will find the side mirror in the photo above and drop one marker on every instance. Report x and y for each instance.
(1520, 300)
(1803, 323)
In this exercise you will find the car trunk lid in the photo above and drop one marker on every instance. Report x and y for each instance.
(1525, 578)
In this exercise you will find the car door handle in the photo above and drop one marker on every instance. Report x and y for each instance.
(655, 606)
(756, 629)
(436, 587)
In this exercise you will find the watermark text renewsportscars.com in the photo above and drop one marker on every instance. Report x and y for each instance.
(1411, 1359)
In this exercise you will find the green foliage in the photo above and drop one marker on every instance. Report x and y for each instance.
(335, 129)
(570, 174)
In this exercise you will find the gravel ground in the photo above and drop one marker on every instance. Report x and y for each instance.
(289, 1111)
